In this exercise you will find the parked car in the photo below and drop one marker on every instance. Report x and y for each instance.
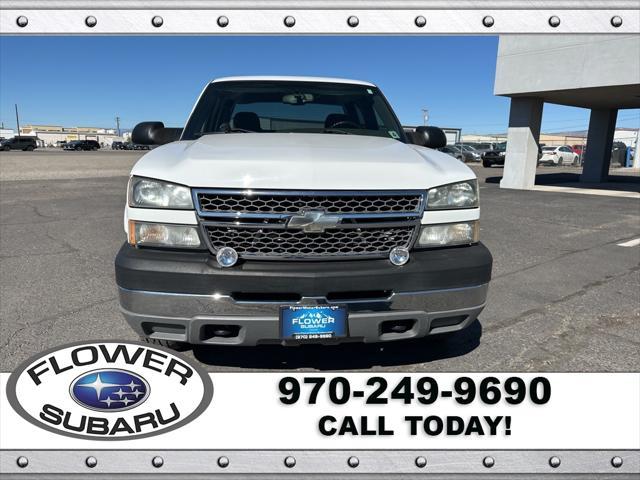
(482, 147)
(578, 149)
(468, 149)
(462, 153)
(287, 205)
(82, 145)
(558, 156)
(27, 144)
(118, 146)
(494, 156)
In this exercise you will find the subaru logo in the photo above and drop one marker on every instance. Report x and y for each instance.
(313, 221)
(108, 390)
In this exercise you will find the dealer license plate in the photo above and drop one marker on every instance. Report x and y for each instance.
(306, 322)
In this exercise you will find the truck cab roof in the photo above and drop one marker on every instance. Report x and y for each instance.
(291, 79)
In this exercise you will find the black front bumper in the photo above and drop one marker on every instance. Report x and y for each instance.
(199, 273)
(185, 296)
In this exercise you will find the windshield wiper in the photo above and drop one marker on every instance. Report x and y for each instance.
(229, 130)
(336, 130)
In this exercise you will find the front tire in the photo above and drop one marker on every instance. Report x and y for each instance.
(560, 163)
(171, 344)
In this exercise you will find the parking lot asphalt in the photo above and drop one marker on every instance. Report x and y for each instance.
(565, 296)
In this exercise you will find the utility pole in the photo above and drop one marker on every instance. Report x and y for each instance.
(17, 120)
(118, 125)
(425, 116)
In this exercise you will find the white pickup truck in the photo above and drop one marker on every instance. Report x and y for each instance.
(297, 210)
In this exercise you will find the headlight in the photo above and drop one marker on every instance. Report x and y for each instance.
(449, 234)
(455, 195)
(502, 154)
(161, 235)
(145, 192)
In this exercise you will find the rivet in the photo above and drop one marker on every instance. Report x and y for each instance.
(290, 462)
(421, 462)
(157, 21)
(223, 21)
(488, 21)
(90, 21)
(616, 462)
(289, 21)
(157, 461)
(223, 462)
(554, 21)
(554, 462)
(22, 21)
(91, 462)
(353, 21)
(616, 21)
(420, 21)
(22, 462)
(488, 462)
(353, 462)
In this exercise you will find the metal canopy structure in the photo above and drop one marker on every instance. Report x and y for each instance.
(598, 72)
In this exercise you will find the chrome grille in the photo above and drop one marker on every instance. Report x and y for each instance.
(281, 243)
(263, 224)
(330, 202)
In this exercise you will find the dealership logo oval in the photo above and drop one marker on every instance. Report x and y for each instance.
(109, 390)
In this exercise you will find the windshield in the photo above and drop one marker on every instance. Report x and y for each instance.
(293, 107)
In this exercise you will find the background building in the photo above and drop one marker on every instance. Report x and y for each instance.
(598, 72)
(49, 135)
(629, 136)
(7, 133)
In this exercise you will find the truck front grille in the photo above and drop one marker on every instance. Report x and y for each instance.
(280, 243)
(276, 224)
(330, 202)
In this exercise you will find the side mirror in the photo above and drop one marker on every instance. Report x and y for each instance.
(431, 137)
(154, 133)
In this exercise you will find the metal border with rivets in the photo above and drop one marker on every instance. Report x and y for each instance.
(140, 17)
(343, 462)
(317, 17)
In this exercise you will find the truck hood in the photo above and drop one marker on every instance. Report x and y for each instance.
(301, 161)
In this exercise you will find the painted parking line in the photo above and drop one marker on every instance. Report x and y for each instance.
(631, 243)
(587, 191)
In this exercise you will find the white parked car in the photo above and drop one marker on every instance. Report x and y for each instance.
(292, 210)
(559, 156)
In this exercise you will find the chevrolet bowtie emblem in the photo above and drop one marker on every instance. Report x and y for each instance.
(313, 221)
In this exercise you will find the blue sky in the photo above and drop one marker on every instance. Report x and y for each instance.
(88, 81)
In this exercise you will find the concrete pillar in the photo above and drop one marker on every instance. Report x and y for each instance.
(602, 126)
(521, 158)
